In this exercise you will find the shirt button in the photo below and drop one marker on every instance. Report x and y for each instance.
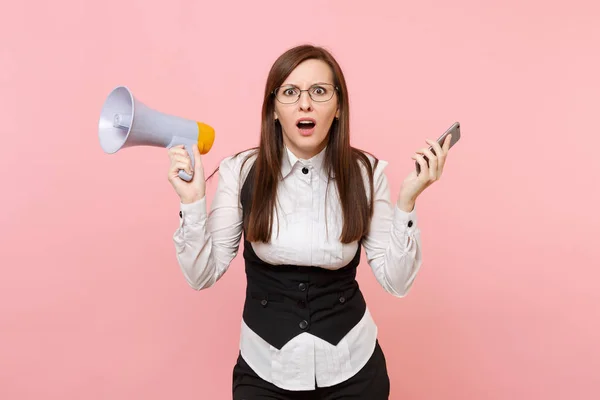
(410, 223)
(303, 324)
(305, 170)
(342, 299)
(302, 287)
(180, 214)
(263, 302)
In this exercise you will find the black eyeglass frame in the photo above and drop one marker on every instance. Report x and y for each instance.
(336, 89)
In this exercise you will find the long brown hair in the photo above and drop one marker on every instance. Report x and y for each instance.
(341, 160)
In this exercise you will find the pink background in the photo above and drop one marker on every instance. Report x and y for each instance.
(92, 302)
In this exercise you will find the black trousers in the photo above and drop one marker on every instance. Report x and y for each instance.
(370, 383)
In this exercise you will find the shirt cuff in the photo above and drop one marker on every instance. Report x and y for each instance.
(405, 221)
(192, 213)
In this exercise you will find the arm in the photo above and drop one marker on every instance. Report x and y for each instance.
(393, 244)
(206, 244)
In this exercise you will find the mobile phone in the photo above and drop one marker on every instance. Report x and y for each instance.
(454, 130)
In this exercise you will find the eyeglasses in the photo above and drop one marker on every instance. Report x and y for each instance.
(289, 94)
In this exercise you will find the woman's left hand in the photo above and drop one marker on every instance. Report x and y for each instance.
(415, 184)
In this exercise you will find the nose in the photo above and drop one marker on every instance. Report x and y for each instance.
(305, 102)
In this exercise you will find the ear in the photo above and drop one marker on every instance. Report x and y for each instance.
(337, 113)
(276, 117)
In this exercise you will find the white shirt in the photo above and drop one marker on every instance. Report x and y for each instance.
(306, 232)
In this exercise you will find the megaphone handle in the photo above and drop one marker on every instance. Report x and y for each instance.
(182, 174)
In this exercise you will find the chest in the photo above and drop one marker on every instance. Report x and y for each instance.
(307, 224)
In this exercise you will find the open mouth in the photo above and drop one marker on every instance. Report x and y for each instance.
(306, 124)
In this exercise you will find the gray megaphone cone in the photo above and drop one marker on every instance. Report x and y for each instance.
(126, 122)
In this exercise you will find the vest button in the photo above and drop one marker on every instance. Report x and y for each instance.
(303, 324)
(302, 287)
(342, 299)
(263, 302)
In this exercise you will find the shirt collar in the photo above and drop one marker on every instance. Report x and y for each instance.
(290, 161)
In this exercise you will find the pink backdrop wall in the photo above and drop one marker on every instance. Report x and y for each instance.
(92, 302)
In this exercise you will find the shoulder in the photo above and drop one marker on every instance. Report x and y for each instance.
(238, 165)
(373, 172)
(370, 166)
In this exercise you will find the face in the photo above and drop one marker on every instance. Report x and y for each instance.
(306, 139)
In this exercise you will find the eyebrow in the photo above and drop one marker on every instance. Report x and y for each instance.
(316, 83)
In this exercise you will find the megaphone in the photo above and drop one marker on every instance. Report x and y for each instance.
(126, 122)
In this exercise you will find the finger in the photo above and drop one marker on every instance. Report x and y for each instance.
(447, 143)
(419, 158)
(181, 158)
(181, 165)
(433, 163)
(442, 152)
(180, 149)
(427, 152)
(436, 147)
(446, 149)
(198, 160)
(177, 147)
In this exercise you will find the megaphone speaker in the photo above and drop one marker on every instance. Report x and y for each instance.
(126, 122)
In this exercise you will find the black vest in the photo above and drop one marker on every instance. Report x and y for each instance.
(282, 301)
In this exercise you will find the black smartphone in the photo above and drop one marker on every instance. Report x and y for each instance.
(454, 130)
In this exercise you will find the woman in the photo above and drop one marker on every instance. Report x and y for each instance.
(305, 201)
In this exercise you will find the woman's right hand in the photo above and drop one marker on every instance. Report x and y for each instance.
(193, 190)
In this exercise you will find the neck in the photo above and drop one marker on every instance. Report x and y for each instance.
(306, 154)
